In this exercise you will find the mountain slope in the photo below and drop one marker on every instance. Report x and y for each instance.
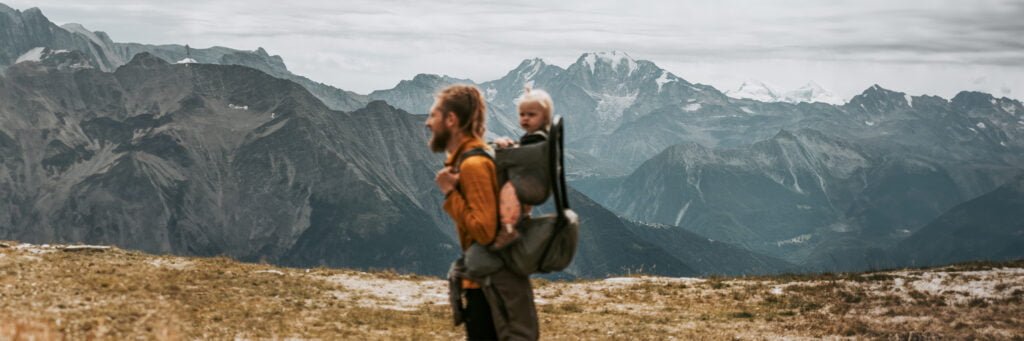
(809, 198)
(206, 159)
(989, 227)
(619, 245)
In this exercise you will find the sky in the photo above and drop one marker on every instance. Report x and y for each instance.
(936, 47)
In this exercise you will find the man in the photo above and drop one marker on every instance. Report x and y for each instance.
(502, 305)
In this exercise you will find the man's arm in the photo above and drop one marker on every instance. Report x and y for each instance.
(474, 202)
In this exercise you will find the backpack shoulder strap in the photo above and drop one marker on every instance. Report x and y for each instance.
(479, 151)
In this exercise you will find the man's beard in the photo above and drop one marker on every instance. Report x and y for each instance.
(439, 140)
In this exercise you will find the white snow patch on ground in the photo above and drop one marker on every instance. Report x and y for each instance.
(776, 291)
(491, 93)
(972, 129)
(394, 294)
(35, 249)
(910, 100)
(869, 123)
(747, 110)
(186, 61)
(271, 271)
(170, 263)
(238, 107)
(1002, 144)
(959, 287)
(980, 125)
(85, 248)
(34, 55)
(692, 107)
(627, 281)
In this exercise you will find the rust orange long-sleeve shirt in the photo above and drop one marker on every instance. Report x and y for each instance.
(473, 206)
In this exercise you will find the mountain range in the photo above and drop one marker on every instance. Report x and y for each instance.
(106, 142)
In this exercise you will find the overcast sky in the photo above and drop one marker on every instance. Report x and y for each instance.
(919, 47)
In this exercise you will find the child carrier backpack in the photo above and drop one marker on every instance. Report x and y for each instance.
(547, 243)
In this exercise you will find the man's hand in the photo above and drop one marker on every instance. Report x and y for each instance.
(446, 180)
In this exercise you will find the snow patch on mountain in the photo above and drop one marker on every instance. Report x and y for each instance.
(534, 68)
(610, 106)
(1009, 108)
(682, 213)
(910, 100)
(803, 238)
(664, 78)
(590, 60)
(692, 107)
(34, 55)
(186, 61)
(980, 125)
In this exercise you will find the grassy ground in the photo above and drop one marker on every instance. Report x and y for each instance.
(51, 292)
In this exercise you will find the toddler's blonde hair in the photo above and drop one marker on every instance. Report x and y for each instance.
(541, 98)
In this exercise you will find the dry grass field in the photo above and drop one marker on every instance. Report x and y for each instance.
(86, 292)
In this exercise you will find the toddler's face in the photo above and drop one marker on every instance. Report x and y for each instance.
(531, 117)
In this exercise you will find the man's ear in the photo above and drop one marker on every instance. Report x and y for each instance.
(451, 121)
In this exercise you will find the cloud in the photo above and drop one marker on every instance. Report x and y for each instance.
(364, 45)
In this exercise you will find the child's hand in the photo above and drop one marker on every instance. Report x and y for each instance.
(504, 142)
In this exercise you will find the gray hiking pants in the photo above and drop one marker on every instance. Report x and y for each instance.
(511, 299)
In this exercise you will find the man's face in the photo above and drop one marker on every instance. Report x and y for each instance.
(531, 117)
(440, 132)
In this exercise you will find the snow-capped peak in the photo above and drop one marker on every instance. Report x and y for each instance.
(755, 90)
(811, 93)
(761, 91)
(530, 68)
(613, 59)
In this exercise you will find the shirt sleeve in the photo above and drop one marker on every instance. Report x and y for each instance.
(475, 202)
